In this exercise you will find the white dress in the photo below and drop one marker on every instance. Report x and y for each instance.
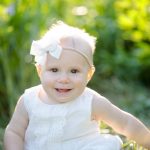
(66, 126)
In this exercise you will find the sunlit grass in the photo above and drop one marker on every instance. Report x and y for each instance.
(131, 145)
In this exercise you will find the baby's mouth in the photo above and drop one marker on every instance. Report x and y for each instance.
(63, 90)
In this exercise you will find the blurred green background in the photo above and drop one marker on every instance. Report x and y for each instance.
(122, 57)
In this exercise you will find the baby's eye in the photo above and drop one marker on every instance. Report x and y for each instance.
(74, 71)
(53, 69)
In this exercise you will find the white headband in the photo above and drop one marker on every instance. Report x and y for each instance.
(54, 47)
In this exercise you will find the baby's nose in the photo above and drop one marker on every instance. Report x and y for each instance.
(63, 78)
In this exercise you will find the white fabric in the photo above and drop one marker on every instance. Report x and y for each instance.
(40, 48)
(66, 126)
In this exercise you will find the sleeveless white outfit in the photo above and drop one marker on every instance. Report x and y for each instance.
(65, 126)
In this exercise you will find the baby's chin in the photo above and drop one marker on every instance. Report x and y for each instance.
(63, 100)
(64, 96)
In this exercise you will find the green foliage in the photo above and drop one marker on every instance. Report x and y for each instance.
(122, 56)
(1, 138)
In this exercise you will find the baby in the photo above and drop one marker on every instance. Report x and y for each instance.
(62, 113)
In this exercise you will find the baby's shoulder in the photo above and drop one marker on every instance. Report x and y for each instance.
(100, 105)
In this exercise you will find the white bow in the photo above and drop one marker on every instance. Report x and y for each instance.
(40, 48)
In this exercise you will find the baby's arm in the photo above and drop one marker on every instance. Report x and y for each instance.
(123, 122)
(15, 131)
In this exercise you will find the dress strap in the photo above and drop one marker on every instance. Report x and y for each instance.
(29, 98)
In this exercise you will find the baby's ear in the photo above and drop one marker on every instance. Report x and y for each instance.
(39, 69)
(90, 73)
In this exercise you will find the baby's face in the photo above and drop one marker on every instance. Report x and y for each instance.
(64, 79)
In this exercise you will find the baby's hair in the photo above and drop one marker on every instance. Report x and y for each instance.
(60, 30)
(62, 36)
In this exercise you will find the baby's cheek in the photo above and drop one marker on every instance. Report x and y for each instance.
(47, 79)
(80, 80)
(77, 79)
